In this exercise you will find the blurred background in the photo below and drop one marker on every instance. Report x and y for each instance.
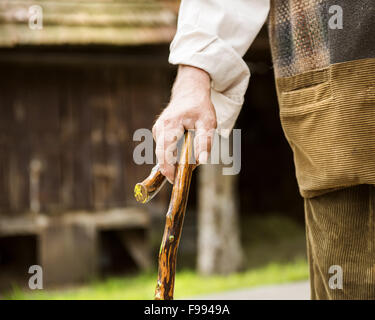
(72, 92)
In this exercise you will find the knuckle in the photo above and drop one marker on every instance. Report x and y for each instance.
(170, 137)
(167, 121)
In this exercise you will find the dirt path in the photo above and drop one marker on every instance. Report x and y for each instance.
(287, 291)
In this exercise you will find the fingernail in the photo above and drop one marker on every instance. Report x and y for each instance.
(203, 157)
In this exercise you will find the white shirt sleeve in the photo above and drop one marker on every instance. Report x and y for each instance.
(213, 35)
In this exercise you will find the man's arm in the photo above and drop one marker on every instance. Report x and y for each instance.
(212, 36)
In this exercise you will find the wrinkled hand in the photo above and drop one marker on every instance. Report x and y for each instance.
(190, 107)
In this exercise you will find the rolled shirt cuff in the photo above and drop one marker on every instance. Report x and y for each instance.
(228, 71)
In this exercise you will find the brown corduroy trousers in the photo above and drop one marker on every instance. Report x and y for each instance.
(340, 232)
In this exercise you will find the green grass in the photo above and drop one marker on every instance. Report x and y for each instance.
(188, 284)
(274, 248)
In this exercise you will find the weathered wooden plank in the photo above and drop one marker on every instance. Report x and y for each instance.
(113, 219)
(42, 99)
(22, 224)
(88, 22)
(19, 139)
(68, 125)
(80, 84)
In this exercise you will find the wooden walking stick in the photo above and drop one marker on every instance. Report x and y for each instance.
(145, 190)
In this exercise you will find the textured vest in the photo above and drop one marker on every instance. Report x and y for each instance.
(325, 81)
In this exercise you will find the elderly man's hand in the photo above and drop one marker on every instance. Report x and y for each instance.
(190, 108)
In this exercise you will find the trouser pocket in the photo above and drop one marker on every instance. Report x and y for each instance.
(329, 123)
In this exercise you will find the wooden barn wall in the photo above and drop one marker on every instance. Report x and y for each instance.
(66, 133)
